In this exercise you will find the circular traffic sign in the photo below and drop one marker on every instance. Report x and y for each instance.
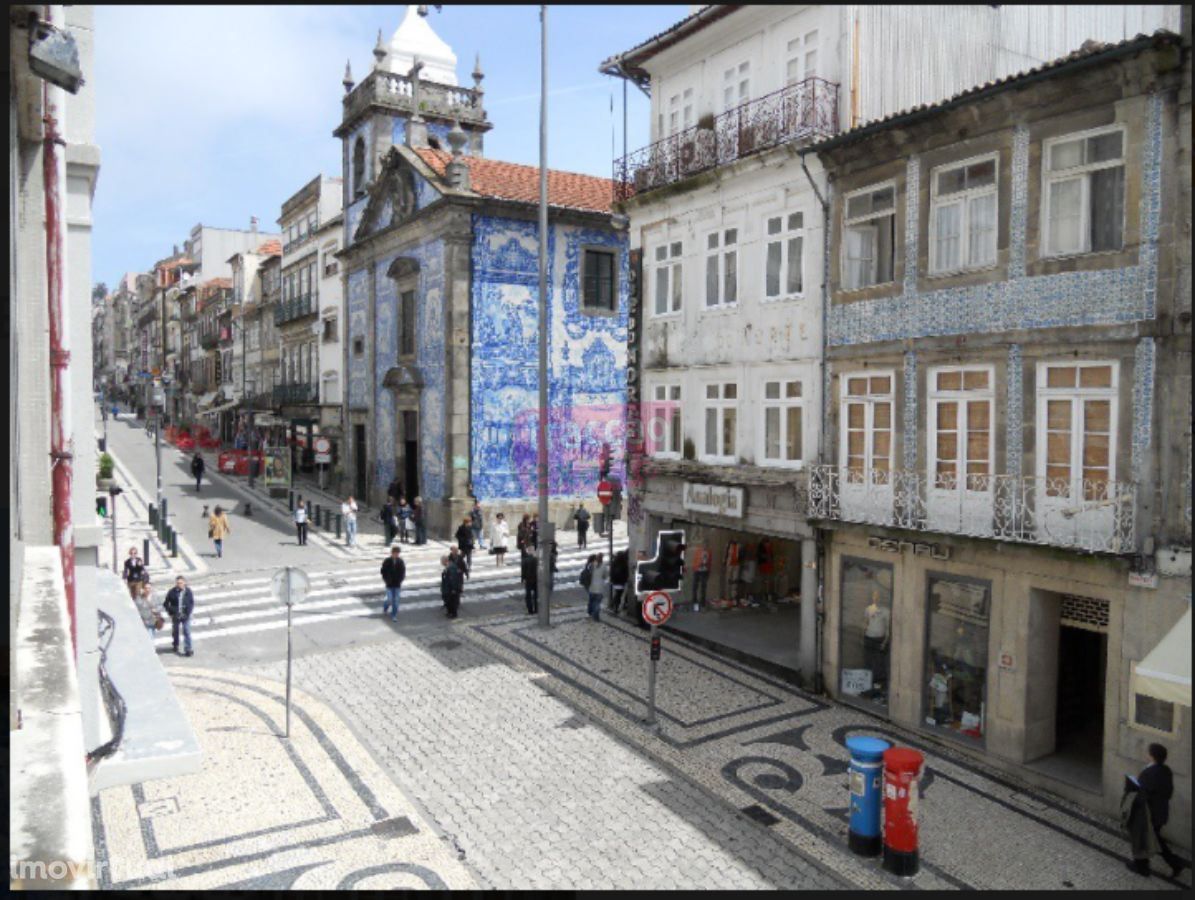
(323, 445)
(295, 591)
(657, 608)
(605, 492)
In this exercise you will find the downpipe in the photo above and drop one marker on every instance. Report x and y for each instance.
(61, 468)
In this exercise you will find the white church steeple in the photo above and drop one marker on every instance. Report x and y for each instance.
(415, 37)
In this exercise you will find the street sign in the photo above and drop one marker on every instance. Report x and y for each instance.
(657, 608)
(605, 492)
(297, 588)
(323, 451)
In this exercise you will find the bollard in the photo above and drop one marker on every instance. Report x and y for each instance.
(290, 500)
(153, 516)
(867, 754)
(315, 511)
(339, 517)
(173, 542)
(164, 519)
(902, 768)
(145, 552)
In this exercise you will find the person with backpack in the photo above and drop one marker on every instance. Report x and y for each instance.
(197, 467)
(218, 529)
(451, 585)
(581, 516)
(464, 540)
(389, 520)
(394, 570)
(179, 605)
(599, 576)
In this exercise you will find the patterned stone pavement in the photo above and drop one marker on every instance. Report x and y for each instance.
(312, 812)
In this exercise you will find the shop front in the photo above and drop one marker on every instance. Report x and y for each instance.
(745, 550)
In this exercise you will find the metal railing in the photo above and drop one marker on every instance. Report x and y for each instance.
(295, 308)
(301, 392)
(209, 340)
(1080, 514)
(805, 110)
(397, 91)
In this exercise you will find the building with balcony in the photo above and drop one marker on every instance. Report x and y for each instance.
(329, 238)
(247, 319)
(440, 258)
(727, 209)
(1006, 486)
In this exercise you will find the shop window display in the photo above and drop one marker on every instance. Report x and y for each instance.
(956, 657)
(866, 630)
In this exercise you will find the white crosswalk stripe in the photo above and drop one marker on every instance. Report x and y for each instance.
(229, 606)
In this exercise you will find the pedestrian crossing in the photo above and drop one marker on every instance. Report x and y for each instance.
(229, 606)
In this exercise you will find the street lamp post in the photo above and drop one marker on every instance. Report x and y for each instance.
(548, 532)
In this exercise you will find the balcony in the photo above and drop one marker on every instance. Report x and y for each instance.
(301, 392)
(397, 92)
(295, 308)
(803, 111)
(1092, 516)
(199, 385)
(209, 340)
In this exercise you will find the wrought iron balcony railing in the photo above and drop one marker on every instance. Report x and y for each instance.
(301, 392)
(1080, 514)
(805, 110)
(295, 308)
(209, 340)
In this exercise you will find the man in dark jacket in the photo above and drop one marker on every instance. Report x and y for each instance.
(389, 520)
(179, 604)
(619, 570)
(419, 519)
(530, 575)
(582, 518)
(451, 585)
(135, 575)
(464, 540)
(1156, 785)
(197, 467)
(394, 570)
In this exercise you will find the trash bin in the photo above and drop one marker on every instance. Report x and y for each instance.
(865, 771)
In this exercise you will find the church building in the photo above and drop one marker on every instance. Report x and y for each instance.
(440, 262)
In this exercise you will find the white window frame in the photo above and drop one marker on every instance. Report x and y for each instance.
(674, 253)
(1049, 176)
(798, 50)
(964, 197)
(783, 237)
(736, 80)
(720, 253)
(673, 114)
(783, 404)
(847, 223)
(869, 401)
(961, 396)
(1077, 396)
(687, 116)
(720, 404)
(660, 444)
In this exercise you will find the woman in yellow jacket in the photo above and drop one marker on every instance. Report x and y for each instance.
(218, 528)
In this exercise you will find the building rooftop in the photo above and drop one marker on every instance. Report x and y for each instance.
(272, 247)
(520, 183)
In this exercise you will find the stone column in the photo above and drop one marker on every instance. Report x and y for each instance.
(458, 373)
(808, 640)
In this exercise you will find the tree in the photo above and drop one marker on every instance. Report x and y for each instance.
(98, 293)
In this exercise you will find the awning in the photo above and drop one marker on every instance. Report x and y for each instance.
(1165, 673)
(265, 420)
(219, 409)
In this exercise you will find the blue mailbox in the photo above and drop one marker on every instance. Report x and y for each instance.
(866, 777)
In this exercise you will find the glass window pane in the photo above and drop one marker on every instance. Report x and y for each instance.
(711, 432)
(771, 390)
(1058, 415)
(774, 225)
(975, 379)
(771, 438)
(711, 392)
(1060, 376)
(1097, 416)
(661, 290)
(882, 416)
(1153, 713)
(1066, 216)
(865, 640)
(1105, 147)
(660, 392)
(1095, 376)
(1058, 448)
(950, 381)
(1107, 209)
(981, 242)
(675, 393)
(772, 274)
(956, 657)
(676, 286)
(981, 173)
(881, 384)
(793, 436)
(675, 249)
(947, 416)
(947, 445)
(1066, 155)
(1095, 451)
(711, 281)
(978, 444)
(712, 241)
(675, 442)
(730, 391)
(857, 386)
(792, 389)
(883, 199)
(978, 413)
(731, 236)
(794, 285)
(731, 278)
(796, 221)
(947, 236)
(858, 206)
(952, 180)
(729, 418)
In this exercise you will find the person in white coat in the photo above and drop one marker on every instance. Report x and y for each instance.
(499, 539)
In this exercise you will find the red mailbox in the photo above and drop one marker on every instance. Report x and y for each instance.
(902, 768)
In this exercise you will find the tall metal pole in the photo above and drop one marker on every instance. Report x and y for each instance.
(541, 442)
(288, 649)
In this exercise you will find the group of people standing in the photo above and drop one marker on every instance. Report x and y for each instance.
(179, 602)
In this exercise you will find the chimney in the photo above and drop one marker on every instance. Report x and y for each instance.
(253, 230)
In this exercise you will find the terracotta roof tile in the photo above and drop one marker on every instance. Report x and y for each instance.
(269, 248)
(513, 181)
(217, 283)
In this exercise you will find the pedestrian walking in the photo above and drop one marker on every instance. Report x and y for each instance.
(464, 540)
(348, 509)
(458, 560)
(701, 574)
(534, 531)
(395, 490)
(477, 523)
(394, 570)
(451, 585)
(598, 579)
(499, 538)
(523, 533)
(581, 516)
(151, 618)
(390, 520)
(179, 605)
(419, 518)
(1145, 809)
(301, 522)
(529, 566)
(403, 515)
(135, 575)
(197, 467)
(552, 570)
(619, 570)
(218, 528)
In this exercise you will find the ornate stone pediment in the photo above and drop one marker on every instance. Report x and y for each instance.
(402, 379)
(393, 197)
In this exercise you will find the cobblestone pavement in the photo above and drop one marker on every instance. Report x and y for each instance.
(528, 748)
(314, 811)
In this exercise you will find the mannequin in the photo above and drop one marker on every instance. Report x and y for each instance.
(747, 576)
(877, 621)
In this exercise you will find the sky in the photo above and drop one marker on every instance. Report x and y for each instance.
(214, 114)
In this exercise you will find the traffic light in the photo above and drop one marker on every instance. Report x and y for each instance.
(665, 571)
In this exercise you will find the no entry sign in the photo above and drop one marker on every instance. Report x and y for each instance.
(605, 492)
(657, 608)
